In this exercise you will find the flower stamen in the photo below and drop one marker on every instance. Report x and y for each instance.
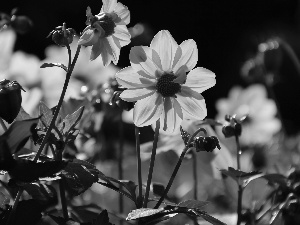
(166, 87)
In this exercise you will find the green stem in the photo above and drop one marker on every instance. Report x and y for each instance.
(63, 198)
(240, 191)
(151, 167)
(3, 124)
(16, 202)
(139, 165)
(195, 175)
(52, 123)
(177, 167)
(120, 165)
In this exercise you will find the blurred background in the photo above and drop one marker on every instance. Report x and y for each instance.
(227, 34)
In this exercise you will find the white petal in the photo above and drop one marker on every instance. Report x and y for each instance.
(192, 104)
(135, 94)
(123, 14)
(172, 115)
(88, 38)
(165, 45)
(128, 78)
(188, 57)
(97, 49)
(141, 59)
(200, 79)
(108, 5)
(113, 49)
(122, 34)
(148, 110)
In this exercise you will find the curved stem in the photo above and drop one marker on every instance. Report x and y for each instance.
(52, 123)
(139, 165)
(195, 175)
(16, 202)
(151, 167)
(3, 124)
(238, 152)
(177, 167)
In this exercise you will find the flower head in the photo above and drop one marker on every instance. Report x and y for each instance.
(107, 31)
(157, 79)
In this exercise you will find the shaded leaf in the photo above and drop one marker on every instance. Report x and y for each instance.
(44, 194)
(192, 204)
(142, 212)
(242, 178)
(102, 219)
(86, 212)
(62, 221)
(211, 122)
(79, 176)
(23, 115)
(209, 218)
(45, 65)
(72, 120)
(27, 212)
(71, 105)
(46, 116)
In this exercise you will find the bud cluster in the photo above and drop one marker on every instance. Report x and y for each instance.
(233, 127)
(62, 36)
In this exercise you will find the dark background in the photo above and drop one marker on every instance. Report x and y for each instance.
(227, 33)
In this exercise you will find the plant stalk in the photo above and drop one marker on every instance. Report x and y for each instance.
(139, 165)
(120, 164)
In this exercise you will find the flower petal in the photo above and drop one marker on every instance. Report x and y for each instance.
(172, 115)
(200, 79)
(89, 37)
(188, 56)
(165, 45)
(113, 49)
(148, 110)
(141, 59)
(108, 5)
(135, 94)
(97, 49)
(122, 34)
(129, 78)
(123, 14)
(192, 104)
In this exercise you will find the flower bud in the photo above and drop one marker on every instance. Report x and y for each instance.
(207, 144)
(62, 36)
(120, 102)
(10, 99)
(21, 24)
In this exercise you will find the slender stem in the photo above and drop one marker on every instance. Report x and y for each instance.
(63, 198)
(139, 164)
(239, 205)
(195, 175)
(177, 167)
(3, 124)
(52, 123)
(238, 152)
(16, 202)
(120, 164)
(151, 167)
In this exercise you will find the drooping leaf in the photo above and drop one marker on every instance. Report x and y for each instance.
(79, 175)
(18, 134)
(72, 120)
(192, 204)
(45, 65)
(43, 193)
(242, 178)
(142, 212)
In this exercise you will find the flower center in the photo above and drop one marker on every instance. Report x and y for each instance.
(166, 87)
(107, 24)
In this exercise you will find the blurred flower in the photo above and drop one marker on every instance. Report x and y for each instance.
(157, 80)
(107, 31)
(7, 43)
(261, 123)
(31, 99)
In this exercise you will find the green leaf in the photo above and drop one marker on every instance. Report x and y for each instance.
(209, 218)
(211, 122)
(23, 115)
(46, 116)
(72, 120)
(18, 134)
(142, 213)
(242, 178)
(43, 193)
(192, 204)
(79, 176)
(71, 105)
(45, 65)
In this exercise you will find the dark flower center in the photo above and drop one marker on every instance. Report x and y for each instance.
(107, 24)
(166, 87)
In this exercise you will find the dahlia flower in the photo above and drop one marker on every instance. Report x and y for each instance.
(107, 31)
(157, 79)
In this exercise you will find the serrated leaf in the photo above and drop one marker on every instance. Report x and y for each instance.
(45, 65)
(72, 120)
(79, 176)
(192, 204)
(209, 218)
(46, 116)
(43, 193)
(130, 186)
(18, 133)
(142, 212)
(71, 105)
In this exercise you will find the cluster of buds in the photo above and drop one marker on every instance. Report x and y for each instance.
(233, 128)
(21, 24)
(62, 36)
(201, 143)
(10, 99)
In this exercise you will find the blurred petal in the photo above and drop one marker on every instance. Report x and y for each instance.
(192, 104)
(108, 5)
(106, 53)
(189, 56)
(114, 49)
(200, 79)
(128, 78)
(132, 95)
(123, 14)
(148, 110)
(172, 115)
(165, 45)
(141, 60)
